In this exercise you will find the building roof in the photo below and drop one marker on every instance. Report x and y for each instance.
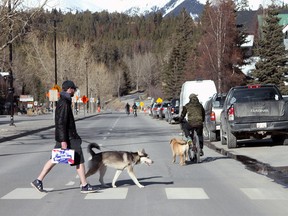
(247, 20)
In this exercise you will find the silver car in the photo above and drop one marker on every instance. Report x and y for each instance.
(213, 108)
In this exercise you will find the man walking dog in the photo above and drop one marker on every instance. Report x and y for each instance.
(66, 137)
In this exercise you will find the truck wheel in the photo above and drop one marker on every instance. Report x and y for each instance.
(285, 142)
(231, 139)
(222, 138)
(281, 139)
(212, 136)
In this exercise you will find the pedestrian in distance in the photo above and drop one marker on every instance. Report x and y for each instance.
(66, 137)
(127, 107)
(134, 107)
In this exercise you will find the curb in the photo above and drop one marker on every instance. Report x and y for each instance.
(277, 174)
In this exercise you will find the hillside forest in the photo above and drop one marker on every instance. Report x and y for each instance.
(111, 54)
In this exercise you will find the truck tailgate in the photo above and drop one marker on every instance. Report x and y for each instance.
(260, 111)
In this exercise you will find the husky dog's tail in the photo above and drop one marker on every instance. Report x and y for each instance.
(91, 146)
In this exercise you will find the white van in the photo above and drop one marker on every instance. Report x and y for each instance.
(204, 89)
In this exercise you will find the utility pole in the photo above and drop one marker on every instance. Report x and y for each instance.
(87, 84)
(10, 77)
(55, 45)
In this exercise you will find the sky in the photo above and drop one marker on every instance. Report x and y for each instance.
(122, 5)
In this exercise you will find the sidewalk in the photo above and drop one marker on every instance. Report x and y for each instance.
(25, 125)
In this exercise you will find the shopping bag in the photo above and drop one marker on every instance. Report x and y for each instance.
(65, 156)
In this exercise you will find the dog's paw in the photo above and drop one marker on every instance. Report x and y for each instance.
(141, 186)
(114, 186)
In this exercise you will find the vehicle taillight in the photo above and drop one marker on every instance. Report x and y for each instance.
(162, 109)
(254, 86)
(212, 116)
(231, 114)
(172, 110)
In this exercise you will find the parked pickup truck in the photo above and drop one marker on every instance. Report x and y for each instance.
(213, 108)
(254, 111)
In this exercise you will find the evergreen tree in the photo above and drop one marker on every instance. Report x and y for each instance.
(271, 50)
(242, 5)
(173, 73)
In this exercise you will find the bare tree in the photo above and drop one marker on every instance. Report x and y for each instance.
(142, 68)
(101, 81)
(218, 51)
(15, 18)
(151, 73)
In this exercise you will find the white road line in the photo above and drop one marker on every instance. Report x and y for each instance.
(186, 193)
(109, 193)
(264, 194)
(26, 193)
(70, 183)
(115, 123)
(171, 193)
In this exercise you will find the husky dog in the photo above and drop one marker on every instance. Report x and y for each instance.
(179, 148)
(119, 160)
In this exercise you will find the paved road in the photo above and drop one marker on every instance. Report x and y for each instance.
(218, 186)
(263, 157)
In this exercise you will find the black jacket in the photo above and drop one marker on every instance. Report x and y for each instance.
(65, 128)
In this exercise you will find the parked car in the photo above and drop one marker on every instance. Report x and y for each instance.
(213, 108)
(155, 112)
(254, 111)
(150, 107)
(163, 109)
(173, 111)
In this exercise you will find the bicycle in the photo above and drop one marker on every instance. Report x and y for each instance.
(194, 148)
(135, 112)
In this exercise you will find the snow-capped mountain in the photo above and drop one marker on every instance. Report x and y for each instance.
(141, 7)
(171, 7)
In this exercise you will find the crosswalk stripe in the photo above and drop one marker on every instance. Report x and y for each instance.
(70, 183)
(264, 194)
(171, 193)
(186, 193)
(109, 193)
(25, 193)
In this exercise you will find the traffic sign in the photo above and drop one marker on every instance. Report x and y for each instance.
(53, 95)
(56, 87)
(159, 100)
(85, 99)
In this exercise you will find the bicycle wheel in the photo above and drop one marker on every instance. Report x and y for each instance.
(191, 153)
(197, 146)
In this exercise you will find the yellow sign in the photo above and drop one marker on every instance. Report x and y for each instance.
(141, 104)
(159, 100)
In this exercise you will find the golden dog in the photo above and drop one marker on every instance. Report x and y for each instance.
(179, 148)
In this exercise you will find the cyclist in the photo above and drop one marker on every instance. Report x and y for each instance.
(195, 117)
(134, 107)
(127, 107)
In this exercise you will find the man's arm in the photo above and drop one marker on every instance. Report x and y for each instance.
(183, 113)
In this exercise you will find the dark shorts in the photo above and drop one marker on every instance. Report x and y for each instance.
(74, 144)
